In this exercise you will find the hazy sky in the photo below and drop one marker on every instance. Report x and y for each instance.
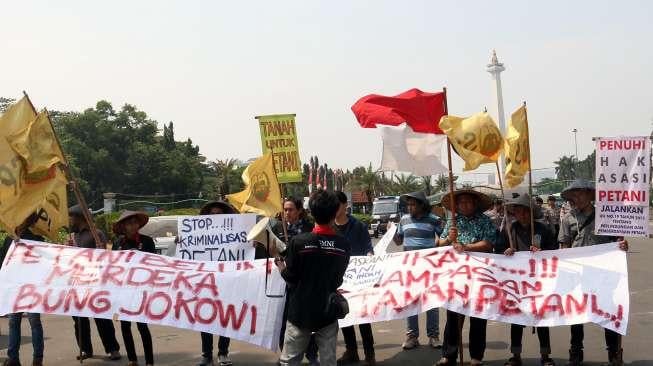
(211, 66)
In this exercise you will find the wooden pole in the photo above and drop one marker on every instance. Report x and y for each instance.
(73, 183)
(530, 179)
(505, 209)
(453, 225)
(283, 195)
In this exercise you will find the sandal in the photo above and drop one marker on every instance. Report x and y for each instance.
(547, 362)
(513, 361)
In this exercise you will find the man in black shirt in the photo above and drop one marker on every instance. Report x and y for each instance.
(314, 266)
(83, 238)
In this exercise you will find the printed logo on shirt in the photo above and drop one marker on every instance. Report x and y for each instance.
(327, 243)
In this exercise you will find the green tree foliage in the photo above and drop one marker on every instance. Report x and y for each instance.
(122, 151)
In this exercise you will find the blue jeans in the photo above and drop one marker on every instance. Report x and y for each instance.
(14, 335)
(432, 317)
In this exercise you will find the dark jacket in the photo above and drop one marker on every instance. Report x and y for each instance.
(84, 238)
(357, 235)
(301, 226)
(521, 237)
(27, 235)
(315, 265)
(144, 244)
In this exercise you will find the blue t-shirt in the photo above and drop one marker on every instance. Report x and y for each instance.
(419, 233)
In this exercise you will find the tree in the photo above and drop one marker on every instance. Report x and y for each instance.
(442, 183)
(427, 185)
(566, 168)
(366, 180)
(406, 183)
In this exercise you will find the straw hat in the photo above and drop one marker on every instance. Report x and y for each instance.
(118, 226)
(483, 201)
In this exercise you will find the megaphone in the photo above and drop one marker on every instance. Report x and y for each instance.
(262, 233)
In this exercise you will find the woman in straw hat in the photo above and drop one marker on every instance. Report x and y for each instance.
(543, 239)
(127, 226)
(473, 232)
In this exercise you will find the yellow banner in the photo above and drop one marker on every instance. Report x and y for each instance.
(477, 139)
(261, 194)
(516, 148)
(279, 137)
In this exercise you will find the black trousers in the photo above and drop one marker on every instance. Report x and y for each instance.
(366, 333)
(578, 334)
(146, 337)
(104, 327)
(207, 345)
(477, 336)
(516, 335)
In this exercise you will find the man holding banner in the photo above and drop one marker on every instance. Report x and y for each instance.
(577, 230)
(473, 232)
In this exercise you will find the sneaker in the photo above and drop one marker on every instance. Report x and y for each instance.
(206, 362)
(435, 342)
(410, 343)
(349, 357)
(10, 362)
(615, 358)
(114, 356)
(575, 358)
(443, 362)
(37, 362)
(224, 360)
(475, 362)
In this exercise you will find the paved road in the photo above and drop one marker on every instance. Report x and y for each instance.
(178, 347)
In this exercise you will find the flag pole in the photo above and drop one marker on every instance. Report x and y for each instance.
(453, 224)
(505, 209)
(530, 178)
(73, 182)
(282, 191)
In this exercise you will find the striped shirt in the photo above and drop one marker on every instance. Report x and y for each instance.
(419, 232)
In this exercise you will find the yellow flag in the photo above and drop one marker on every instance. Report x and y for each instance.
(37, 145)
(53, 213)
(517, 149)
(476, 139)
(12, 182)
(261, 194)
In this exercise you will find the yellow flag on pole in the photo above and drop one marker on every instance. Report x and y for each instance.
(261, 194)
(476, 139)
(23, 193)
(37, 145)
(53, 212)
(517, 149)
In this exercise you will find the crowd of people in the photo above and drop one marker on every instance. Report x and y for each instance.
(316, 258)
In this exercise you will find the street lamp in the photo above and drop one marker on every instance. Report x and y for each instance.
(575, 131)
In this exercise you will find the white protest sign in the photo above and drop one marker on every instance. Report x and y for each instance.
(215, 237)
(363, 272)
(622, 186)
(547, 288)
(225, 298)
(381, 247)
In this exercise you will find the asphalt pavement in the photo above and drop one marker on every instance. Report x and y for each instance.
(180, 347)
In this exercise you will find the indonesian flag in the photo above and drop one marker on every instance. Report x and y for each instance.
(412, 138)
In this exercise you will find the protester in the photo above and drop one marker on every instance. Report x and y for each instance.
(215, 208)
(520, 232)
(577, 230)
(496, 213)
(361, 244)
(474, 232)
(314, 267)
(13, 348)
(419, 229)
(554, 214)
(296, 223)
(83, 238)
(127, 226)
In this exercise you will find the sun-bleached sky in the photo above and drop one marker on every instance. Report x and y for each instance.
(211, 66)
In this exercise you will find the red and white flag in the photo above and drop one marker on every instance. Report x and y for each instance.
(412, 138)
